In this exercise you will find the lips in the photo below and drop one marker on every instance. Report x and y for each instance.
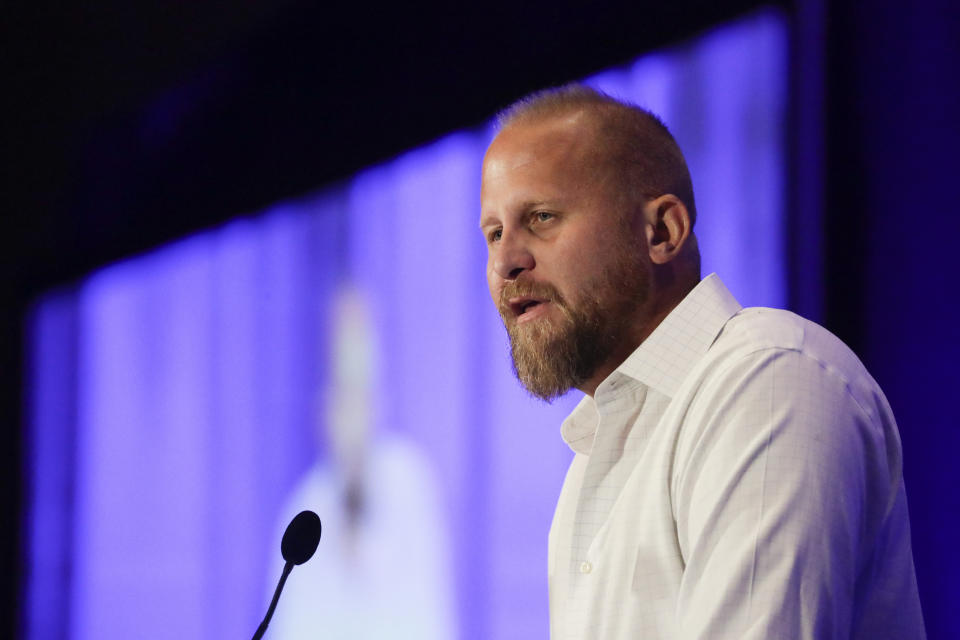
(525, 308)
(524, 300)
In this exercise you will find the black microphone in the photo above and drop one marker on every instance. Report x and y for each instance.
(298, 545)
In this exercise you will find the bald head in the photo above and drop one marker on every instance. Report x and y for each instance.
(633, 143)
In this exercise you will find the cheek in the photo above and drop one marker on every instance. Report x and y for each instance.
(580, 260)
(598, 250)
(493, 283)
(576, 275)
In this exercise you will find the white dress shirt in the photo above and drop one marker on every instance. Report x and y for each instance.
(738, 476)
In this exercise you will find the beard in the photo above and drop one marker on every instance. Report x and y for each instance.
(550, 355)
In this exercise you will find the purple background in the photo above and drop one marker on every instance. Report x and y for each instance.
(130, 126)
(191, 373)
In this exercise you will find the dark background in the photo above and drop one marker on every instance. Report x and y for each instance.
(130, 124)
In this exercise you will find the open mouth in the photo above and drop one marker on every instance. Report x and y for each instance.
(524, 308)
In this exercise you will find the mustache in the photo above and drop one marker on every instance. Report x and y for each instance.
(528, 289)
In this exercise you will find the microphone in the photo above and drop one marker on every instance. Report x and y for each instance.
(301, 538)
(298, 545)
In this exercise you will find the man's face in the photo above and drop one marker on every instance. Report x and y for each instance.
(566, 263)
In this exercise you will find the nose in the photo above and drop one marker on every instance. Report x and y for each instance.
(511, 257)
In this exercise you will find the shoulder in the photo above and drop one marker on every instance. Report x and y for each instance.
(779, 400)
(759, 334)
(756, 328)
(771, 374)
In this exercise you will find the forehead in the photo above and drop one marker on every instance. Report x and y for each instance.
(518, 145)
(557, 154)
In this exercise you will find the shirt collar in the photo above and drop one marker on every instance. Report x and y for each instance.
(665, 358)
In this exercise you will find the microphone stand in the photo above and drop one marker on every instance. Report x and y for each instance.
(287, 568)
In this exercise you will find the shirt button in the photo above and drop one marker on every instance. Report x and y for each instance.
(586, 567)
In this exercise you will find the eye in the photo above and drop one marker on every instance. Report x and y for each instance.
(543, 216)
(494, 235)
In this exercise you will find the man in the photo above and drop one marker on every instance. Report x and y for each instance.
(737, 471)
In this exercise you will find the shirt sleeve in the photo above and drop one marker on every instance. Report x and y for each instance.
(779, 493)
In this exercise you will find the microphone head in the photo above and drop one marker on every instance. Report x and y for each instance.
(301, 538)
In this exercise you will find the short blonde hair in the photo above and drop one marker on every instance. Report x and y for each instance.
(634, 139)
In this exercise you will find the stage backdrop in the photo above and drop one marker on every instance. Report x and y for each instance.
(185, 403)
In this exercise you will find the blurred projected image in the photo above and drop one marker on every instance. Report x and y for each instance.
(381, 569)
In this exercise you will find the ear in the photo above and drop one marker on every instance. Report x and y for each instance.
(667, 227)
